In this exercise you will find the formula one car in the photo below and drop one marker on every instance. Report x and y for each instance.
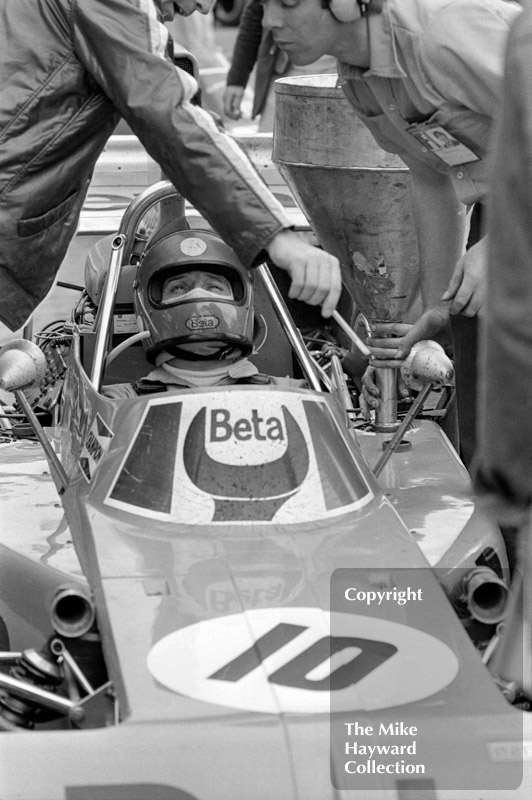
(209, 595)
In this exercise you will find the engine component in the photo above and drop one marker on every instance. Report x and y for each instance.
(483, 594)
(72, 612)
(36, 669)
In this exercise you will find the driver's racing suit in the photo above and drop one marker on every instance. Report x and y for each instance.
(69, 69)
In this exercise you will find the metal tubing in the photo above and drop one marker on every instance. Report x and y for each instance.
(28, 692)
(399, 433)
(386, 414)
(58, 472)
(58, 649)
(122, 249)
(357, 341)
(7, 656)
(106, 310)
(163, 190)
(327, 381)
(294, 336)
(72, 611)
(337, 374)
(485, 595)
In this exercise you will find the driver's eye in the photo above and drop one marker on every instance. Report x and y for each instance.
(177, 288)
(216, 286)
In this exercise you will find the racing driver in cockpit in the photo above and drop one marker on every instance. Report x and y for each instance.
(194, 300)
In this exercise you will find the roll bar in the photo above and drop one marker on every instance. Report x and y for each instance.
(122, 248)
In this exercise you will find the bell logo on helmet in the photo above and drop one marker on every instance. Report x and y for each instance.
(193, 246)
(206, 321)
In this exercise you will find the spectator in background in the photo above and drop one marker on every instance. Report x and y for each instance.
(197, 34)
(255, 46)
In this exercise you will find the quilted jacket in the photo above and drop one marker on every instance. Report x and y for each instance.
(68, 70)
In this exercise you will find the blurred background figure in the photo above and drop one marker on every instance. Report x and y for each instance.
(255, 48)
(503, 475)
(197, 33)
(228, 12)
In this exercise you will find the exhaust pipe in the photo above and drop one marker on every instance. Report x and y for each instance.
(484, 594)
(72, 612)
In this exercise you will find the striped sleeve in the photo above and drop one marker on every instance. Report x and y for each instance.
(123, 45)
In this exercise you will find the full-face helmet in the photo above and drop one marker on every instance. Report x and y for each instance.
(191, 288)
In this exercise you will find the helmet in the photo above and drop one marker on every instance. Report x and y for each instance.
(176, 313)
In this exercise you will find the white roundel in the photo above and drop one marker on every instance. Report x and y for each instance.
(305, 660)
(193, 246)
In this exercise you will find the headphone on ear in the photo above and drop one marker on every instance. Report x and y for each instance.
(348, 10)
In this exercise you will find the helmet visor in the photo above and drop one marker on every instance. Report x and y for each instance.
(194, 285)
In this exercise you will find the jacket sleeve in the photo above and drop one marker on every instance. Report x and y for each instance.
(125, 48)
(247, 44)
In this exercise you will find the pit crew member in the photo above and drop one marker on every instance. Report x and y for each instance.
(504, 457)
(69, 69)
(410, 69)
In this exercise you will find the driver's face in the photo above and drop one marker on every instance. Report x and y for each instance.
(213, 285)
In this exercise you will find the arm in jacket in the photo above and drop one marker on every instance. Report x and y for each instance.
(246, 45)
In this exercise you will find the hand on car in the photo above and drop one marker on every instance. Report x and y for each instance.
(315, 274)
(391, 342)
(388, 348)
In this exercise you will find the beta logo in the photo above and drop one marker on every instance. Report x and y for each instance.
(202, 322)
(243, 461)
(302, 660)
(223, 427)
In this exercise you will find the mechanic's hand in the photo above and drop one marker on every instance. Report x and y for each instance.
(232, 101)
(401, 337)
(370, 397)
(315, 274)
(466, 291)
(329, 350)
(386, 340)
